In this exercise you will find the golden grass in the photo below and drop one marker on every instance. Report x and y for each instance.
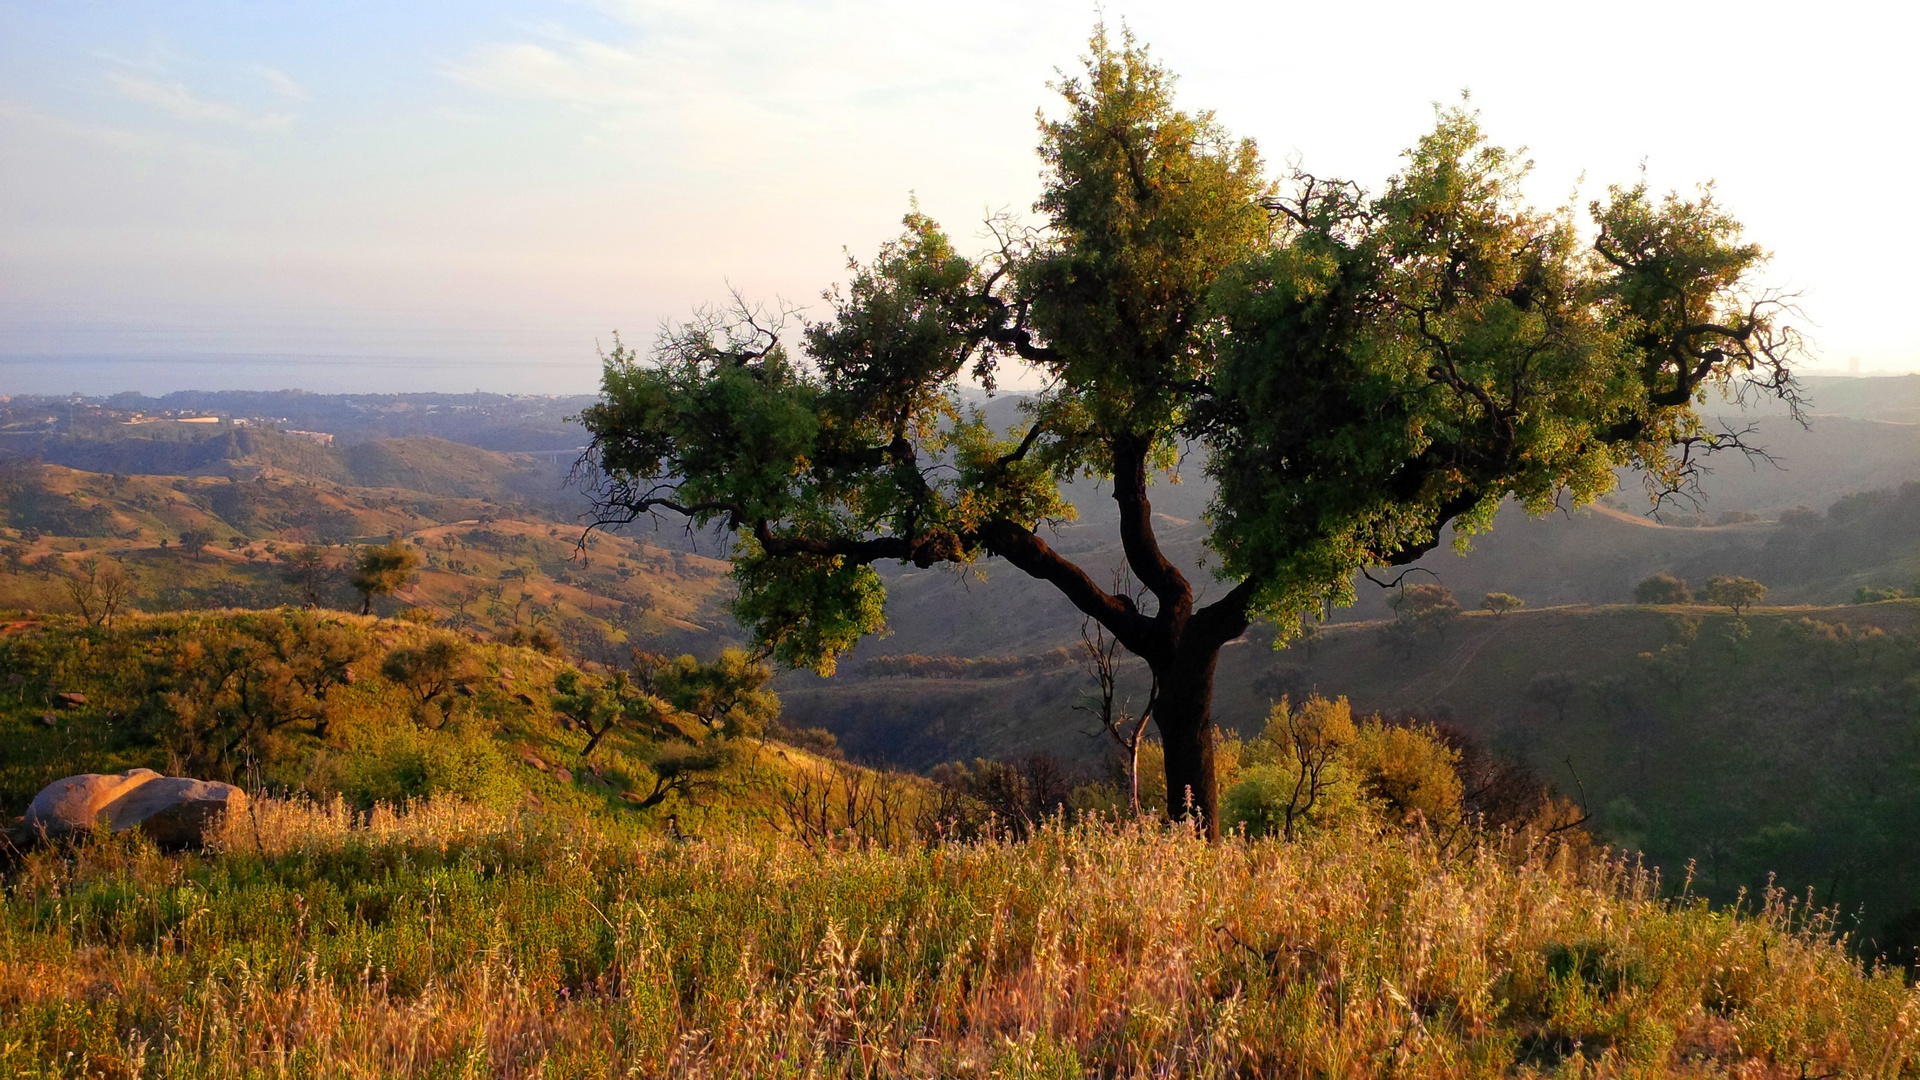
(445, 940)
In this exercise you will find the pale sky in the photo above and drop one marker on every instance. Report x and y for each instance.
(415, 196)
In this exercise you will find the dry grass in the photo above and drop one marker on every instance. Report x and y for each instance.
(448, 941)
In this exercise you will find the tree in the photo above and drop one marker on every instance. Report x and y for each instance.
(1355, 371)
(430, 672)
(729, 698)
(310, 569)
(1662, 589)
(1736, 593)
(242, 689)
(1554, 689)
(382, 571)
(98, 589)
(195, 541)
(1500, 603)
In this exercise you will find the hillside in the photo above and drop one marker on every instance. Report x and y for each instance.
(485, 563)
(1789, 749)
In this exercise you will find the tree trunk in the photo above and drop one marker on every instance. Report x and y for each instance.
(1184, 714)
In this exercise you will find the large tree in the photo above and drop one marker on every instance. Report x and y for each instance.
(1357, 371)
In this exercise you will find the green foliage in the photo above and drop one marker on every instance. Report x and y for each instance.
(1662, 589)
(397, 763)
(1389, 339)
(430, 672)
(729, 698)
(383, 570)
(1735, 593)
(808, 609)
(1314, 768)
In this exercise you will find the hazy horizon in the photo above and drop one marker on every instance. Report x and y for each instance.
(367, 197)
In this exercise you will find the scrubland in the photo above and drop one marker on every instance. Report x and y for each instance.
(447, 939)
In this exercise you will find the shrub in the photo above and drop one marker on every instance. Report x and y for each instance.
(1298, 772)
(1662, 589)
(395, 764)
(1313, 767)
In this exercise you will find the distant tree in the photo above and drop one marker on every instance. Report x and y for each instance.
(195, 541)
(1420, 612)
(1500, 603)
(1662, 589)
(1736, 593)
(430, 672)
(311, 570)
(242, 690)
(382, 571)
(99, 589)
(729, 697)
(1554, 689)
(1868, 594)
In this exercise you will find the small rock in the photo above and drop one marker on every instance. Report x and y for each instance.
(565, 776)
(533, 760)
(347, 676)
(69, 700)
(464, 690)
(632, 796)
(524, 699)
(48, 719)
(506, 673)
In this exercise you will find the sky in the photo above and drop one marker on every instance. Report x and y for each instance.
(362, 197)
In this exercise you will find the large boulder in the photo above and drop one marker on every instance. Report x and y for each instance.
(175, 810)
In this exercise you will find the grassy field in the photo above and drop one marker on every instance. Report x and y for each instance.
(450, 941)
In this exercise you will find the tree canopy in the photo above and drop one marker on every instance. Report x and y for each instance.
(1354, 370)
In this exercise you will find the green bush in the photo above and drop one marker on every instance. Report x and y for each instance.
(397, 763)
(1313, 767)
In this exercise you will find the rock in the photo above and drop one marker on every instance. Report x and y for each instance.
(506, 673)
(533, 759)
(506, 684)
(632, 796)
(565, 776)
(48, 719)
(467, 691)
(174, 810)
(69, 700)
(524, 699)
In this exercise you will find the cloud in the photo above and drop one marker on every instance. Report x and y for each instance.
(93, 133)
(280, 82)
(176, 100)
(566, 69)
(733, 84)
